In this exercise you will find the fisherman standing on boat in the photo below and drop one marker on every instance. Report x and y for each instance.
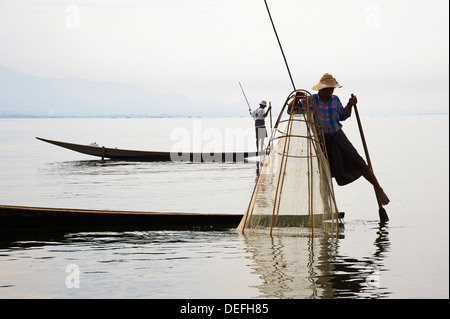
(259, 115)
(345, 163)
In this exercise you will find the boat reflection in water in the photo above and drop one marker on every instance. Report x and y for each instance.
(303, 266)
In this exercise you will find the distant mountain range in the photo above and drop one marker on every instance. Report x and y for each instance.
(26, 95)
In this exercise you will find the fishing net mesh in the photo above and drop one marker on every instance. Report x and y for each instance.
(294, 187)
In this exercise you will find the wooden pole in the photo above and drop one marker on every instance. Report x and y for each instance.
(249, 108)
(279, 43)
(270, 114)
(381, 211)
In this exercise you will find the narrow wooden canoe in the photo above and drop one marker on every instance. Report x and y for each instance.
(13, 217)
(46, 217)
(150, 156)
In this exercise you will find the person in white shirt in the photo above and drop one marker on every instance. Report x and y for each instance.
(259, 116)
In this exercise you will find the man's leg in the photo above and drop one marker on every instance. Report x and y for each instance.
(370, 176)
(260, 144)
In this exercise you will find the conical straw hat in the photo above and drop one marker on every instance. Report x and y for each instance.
(326, 81)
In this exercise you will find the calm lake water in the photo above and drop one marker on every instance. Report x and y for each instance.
(406, 258)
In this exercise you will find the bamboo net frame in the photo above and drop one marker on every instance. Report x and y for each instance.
(294, 187)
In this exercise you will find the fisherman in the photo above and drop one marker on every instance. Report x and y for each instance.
(259, 116)
(345, 163)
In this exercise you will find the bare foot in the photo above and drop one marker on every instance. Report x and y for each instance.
(384, 199)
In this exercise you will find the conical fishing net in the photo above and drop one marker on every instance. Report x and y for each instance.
(294, 187)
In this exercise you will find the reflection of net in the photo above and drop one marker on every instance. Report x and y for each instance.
(294, 187)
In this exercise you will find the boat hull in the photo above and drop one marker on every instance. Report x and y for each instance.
(46, 217)
(150, 156)
(39, 218)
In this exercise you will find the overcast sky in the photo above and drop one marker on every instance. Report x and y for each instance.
(394, 54)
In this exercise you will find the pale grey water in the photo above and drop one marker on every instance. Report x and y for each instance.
(407, 258)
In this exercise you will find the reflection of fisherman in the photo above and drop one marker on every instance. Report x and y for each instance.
(259, 116)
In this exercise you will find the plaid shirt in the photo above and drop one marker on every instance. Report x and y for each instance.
(331, 113)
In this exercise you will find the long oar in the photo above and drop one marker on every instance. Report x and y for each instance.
(270, 105)
(381, 211)
(249, 108)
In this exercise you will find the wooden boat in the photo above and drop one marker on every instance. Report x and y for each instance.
(13, 217)
(150, 156)
(46, 217)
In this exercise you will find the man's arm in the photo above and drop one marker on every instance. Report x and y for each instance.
(351, 102)
(296, 101)
(268, 110)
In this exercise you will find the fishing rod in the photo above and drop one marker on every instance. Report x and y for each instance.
(282, 52)
(279, 43)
